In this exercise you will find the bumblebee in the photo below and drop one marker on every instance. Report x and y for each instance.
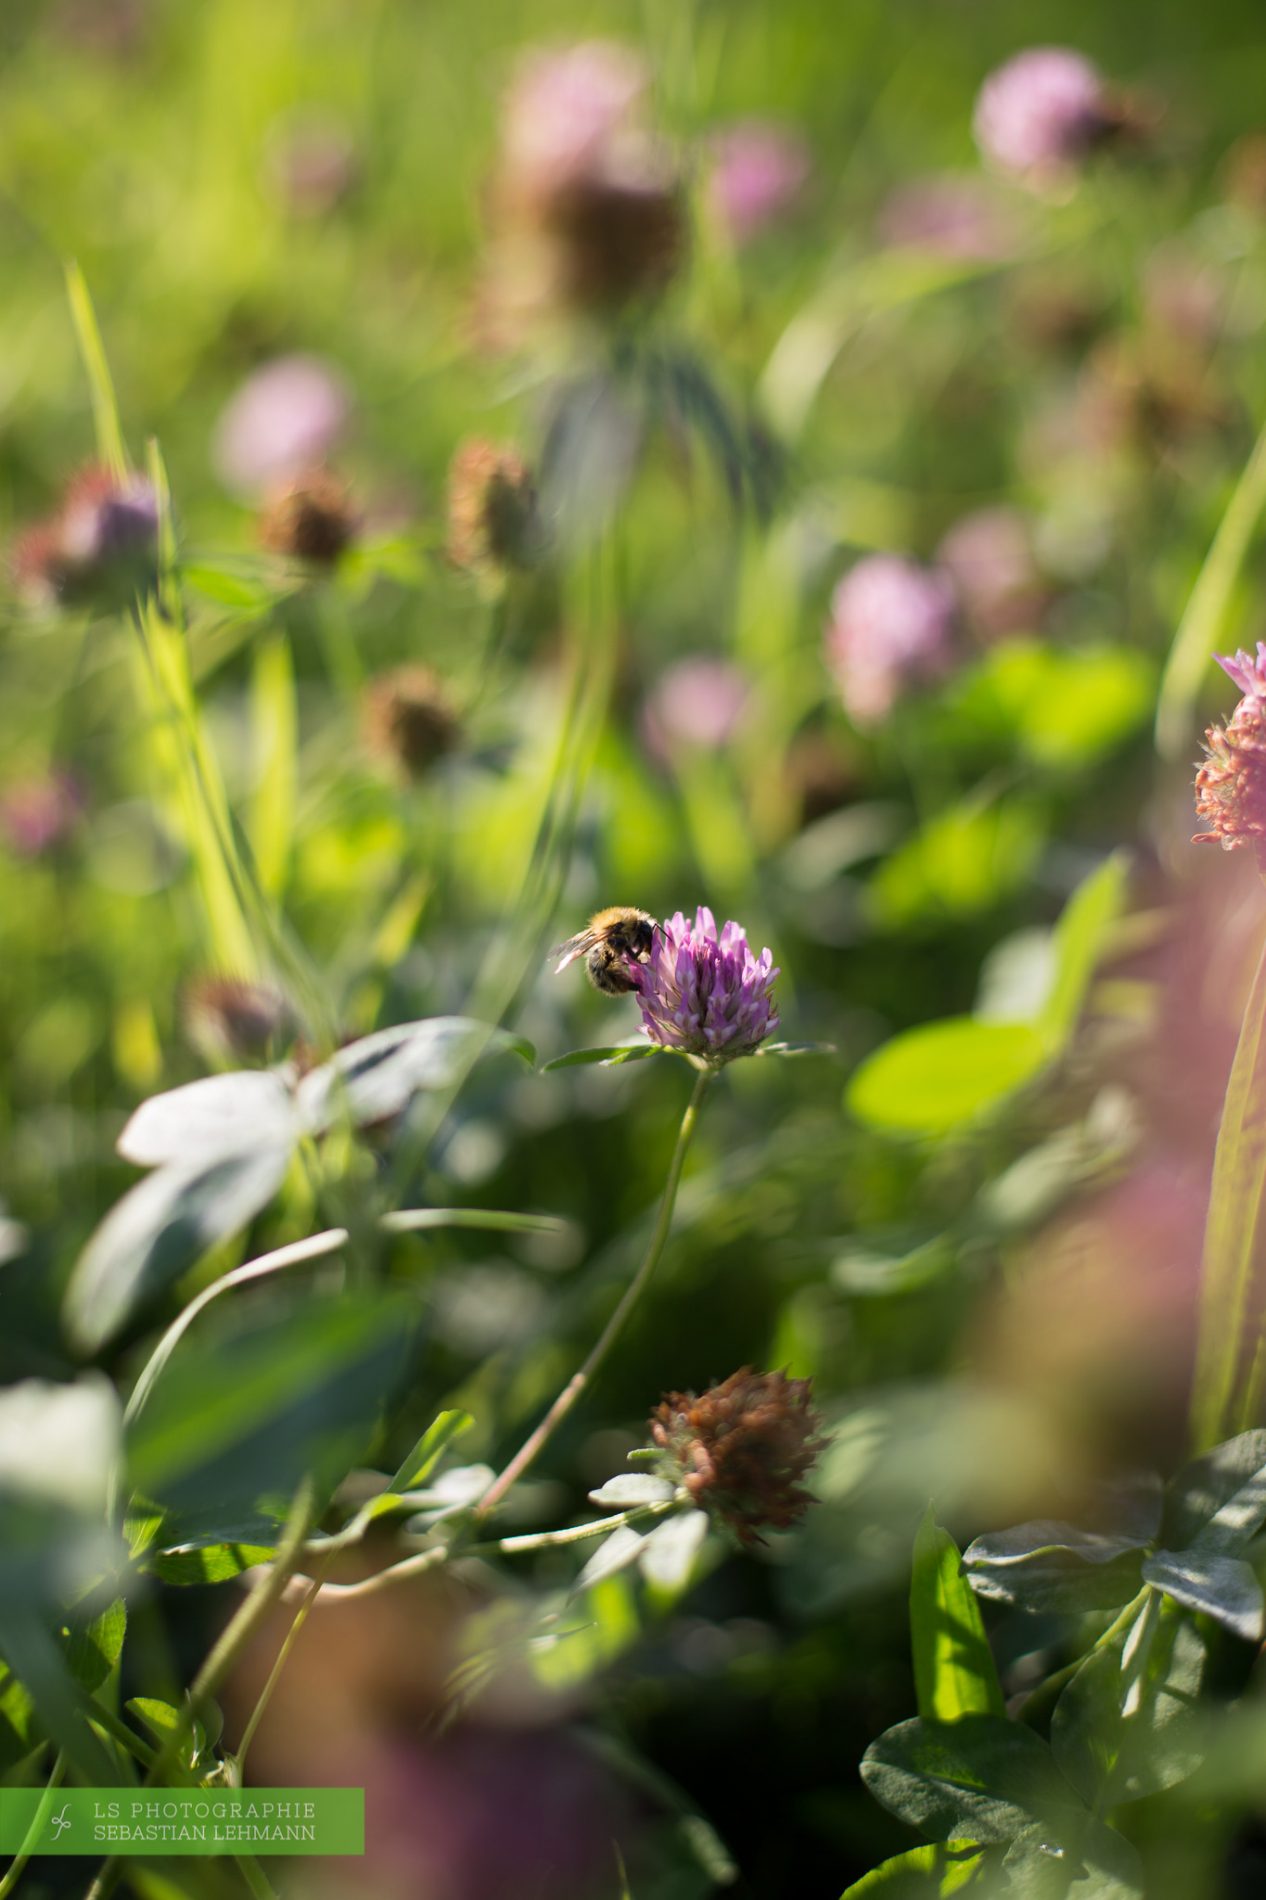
(608, 942)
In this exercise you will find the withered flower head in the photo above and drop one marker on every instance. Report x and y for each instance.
(617, 234)
(494, 525)
(310, 518)
(1231, 784)
(589, 207)
(741, 1449)
(409, 720)
(233, 1020)
(98, 548)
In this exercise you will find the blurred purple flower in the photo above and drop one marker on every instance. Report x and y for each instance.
(703, 993)
(892, 625)
(1041, 112)
(989, 556)
(99, 547)
(310, 163)
(38, 814)
(564, 107)
(695, 702)
(951, 215)
(284, 419)
(758, 171)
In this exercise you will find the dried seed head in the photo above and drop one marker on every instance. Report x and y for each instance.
(618, 235)
(1231, 783)
(741, 1449)
(409, 721)
(494, 525)
(236, 1021)
(310, 518)
(589, 207)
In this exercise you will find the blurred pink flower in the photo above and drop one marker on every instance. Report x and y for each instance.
(1185, 296)
(989, 556)
(37, 814)
(285, 418)
(1041, 112)
(310, 163)
(759, 169)
(892, 625)
(565, 106)
(695, 702)
(949, 214)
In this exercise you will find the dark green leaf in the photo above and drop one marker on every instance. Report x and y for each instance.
(954, 1669)
(1223, 1587)
(1219, 1501)
(206, 1563)
(610, 1055)
(248, 1405)
(1047, 1565)
(95, 1643)
(980, 1778)
(159, 1229)
(1093, 1863)
(1127, 1725)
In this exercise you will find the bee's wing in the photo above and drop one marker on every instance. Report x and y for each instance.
(578, 946)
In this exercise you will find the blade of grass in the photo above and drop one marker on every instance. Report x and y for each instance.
(105, 408)
(1205, 615)
(954, 1670)
(1231, 1305)
(273, 711)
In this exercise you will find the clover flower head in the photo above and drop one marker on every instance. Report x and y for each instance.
(1041, 112)
(990, 557)
(703, 993)
(741, 1449)
(99, 547)
(39, 814)
(588, 205)
(759, 170)
(1246, 670)
(1231, 783)
(284, 419)
(951, 215)
(697, 702)
(565, 104)
(892, 626)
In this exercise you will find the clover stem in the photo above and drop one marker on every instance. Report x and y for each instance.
(580, 1381)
